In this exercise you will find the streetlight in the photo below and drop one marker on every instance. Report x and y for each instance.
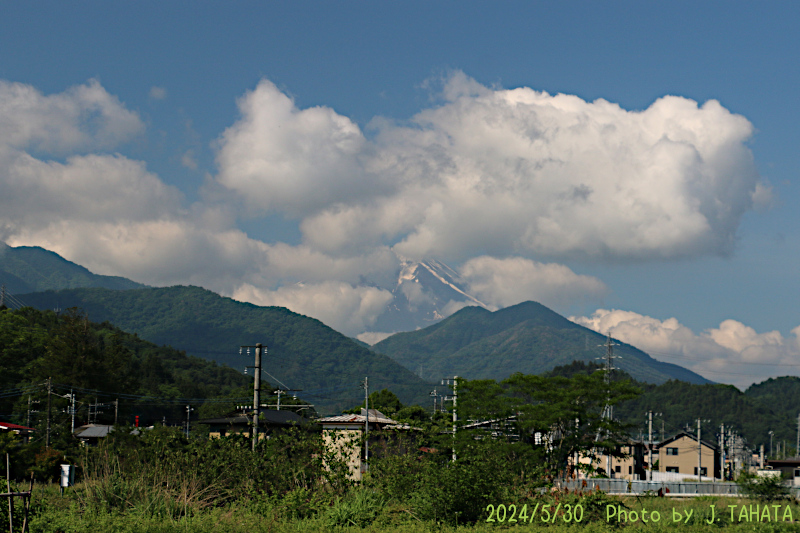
(770, 442)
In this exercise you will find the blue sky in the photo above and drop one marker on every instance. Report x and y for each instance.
(170, 80)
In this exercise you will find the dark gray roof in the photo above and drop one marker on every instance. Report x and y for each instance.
(266, 417)
(94, 432)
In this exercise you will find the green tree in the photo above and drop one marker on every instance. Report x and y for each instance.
(383, 400)
(567, 414)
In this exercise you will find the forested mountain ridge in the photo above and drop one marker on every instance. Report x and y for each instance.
(303, 353)
(527, 337)
(31, 268)
(679, 405)
(676, 406)
(100, 363)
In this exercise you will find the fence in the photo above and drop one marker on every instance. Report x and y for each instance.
(671, 488)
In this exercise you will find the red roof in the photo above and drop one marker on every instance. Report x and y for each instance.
(9, 425)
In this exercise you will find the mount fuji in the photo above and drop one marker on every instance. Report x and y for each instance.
(425, 293)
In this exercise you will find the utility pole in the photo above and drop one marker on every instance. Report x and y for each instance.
(455, 414)
(28, 415)
(279, 392)
(435, 394)
(188, 415)
(454, 398)
(49, 392)
(650, 445)
(770, 442)
(256, 388)
(72, 410)
(722, 449)
(116, 410)
(699, 452)
(366, 423)
(797, 448)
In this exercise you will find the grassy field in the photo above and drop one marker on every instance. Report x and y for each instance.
(365, 511)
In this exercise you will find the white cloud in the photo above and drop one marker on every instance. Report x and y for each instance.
(488, 174)
(501, 172)
(84, 117)
(91, 188)
(732, 353)
(282, 158)
(509, 281)
(188, 160)
(373, 337)
(157, 93)
(345, 308)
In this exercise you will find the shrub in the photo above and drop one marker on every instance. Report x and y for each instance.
(765, 488)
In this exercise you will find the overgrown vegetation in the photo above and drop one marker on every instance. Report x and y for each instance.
(513, 437)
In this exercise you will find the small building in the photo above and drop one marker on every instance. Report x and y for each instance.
(92, 433)
(23, 431)
(345, 434)
(680, 453)
(788, 468)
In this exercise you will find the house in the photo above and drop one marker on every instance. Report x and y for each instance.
(92, 433)
(680, 454)
(787, 467)
(344, 434)
(22, 431)
(269, 421)
(631, 464)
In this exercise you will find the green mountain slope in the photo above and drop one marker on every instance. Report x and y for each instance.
(31, 269)
(528, 338)
(101, 363)
(680, 404)
(303, 353)
(782, 394)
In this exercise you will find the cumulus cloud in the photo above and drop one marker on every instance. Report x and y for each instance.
(509, 281)
(345, 308)
(501, 172)
(298, 161)
(490, 179)
(733, 352)
(110, 214)
(84, 117)
(91, 188)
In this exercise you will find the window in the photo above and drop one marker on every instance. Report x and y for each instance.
(703, 471)
(630, 470)
(672, 451)
(673, 469)
(618, 469)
